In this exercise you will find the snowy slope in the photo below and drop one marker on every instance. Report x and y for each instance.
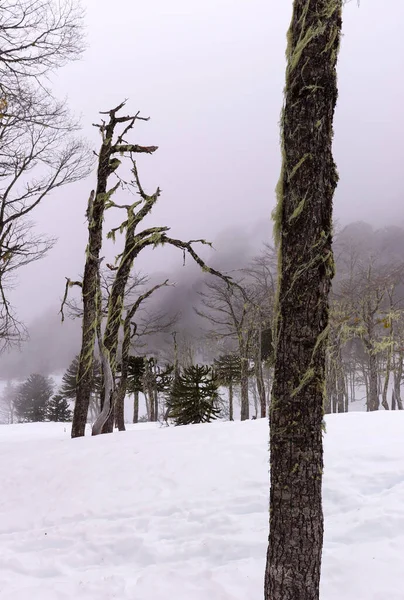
(160, 514)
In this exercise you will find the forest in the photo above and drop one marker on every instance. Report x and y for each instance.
(365, 352)
(269, 352)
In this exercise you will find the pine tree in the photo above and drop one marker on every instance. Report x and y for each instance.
(33, 397)
(69, 381)
(58, 409)
(194, 396)
(227, 369)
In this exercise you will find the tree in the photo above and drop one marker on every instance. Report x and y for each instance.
(69, 385)
(303, 231)
(114, 144)
(230, 314)
(135, 371)
(7, 403)
(194, 396)
(33, 398)
(100, 198)
(38, 150)
(58, 409)
(227, 372)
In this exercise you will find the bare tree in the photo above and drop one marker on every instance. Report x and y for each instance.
(230, 315)
(303, 224)
(38, 150)
(114, 144)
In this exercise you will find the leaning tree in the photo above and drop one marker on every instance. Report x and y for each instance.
(303, 220)
(114, 131)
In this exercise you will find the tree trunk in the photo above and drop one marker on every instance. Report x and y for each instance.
(136, 407)
(385, 402)
(398, 377)
(393, 400)
(304, 234)
(231, 417)
(373, 397)
(245, 402)
(261, 388)
(119, 407)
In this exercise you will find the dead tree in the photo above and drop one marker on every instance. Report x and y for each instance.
(303, 225)
(100, 199)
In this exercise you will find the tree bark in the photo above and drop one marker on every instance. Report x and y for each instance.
(259, 377)
(385, 402)
(398, 376)
(136, 407)
(245, 402)
(373, 397)
(231, 417)
(303, 221)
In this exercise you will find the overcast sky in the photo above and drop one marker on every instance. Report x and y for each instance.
(210, 75)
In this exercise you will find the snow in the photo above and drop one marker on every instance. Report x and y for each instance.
(158, 513)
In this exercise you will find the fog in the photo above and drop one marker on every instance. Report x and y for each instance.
(210, 75)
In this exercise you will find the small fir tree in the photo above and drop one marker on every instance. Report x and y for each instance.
(33, 397)
(58, 409)
(194, 396)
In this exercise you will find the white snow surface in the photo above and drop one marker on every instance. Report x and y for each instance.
(182, 513)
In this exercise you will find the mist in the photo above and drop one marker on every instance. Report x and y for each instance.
(210, 75)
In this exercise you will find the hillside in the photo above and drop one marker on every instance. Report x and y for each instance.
(157, 513)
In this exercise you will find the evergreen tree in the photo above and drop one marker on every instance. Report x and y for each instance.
(58, 409)
(134, 381)
(227, 369)
(33, 397)
(69, 380)
(194, 396)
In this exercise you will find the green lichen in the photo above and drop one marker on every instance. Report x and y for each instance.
(307, 377)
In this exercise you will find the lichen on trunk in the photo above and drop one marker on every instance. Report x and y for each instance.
(304, 235)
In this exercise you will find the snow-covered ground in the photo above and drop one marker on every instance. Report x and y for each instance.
(157, 513)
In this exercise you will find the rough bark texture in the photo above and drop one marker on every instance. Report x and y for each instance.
(96, 210)
(303, 227)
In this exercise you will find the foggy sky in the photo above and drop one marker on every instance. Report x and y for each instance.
(210, 75)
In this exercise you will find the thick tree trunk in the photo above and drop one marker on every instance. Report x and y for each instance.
(245, 401)
(304, 231)
(86, 361)
(136, 407)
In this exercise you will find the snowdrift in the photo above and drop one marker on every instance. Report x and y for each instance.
(157, 513)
